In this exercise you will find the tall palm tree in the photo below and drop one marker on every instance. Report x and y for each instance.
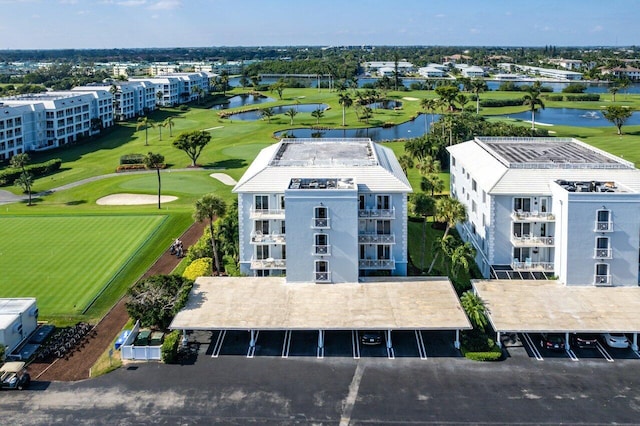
(145, 123)
(159, 97)
(462, 258)
(291, 112)
(168, 122)
(478, 86)
(429, 106)
(155, 161)
(267, 112)
(475, 309)
(345, 100)
(25, 181)
(451, 211)
(422, 205)
(317, 114)
(428, 164)
(613, 90)
(406, 162)
(532, 99)
(211, 207)
(462, 100)
(20, 161)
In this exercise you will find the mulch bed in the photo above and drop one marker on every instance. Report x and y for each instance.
(77, 365)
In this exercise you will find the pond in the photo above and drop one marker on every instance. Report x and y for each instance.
(243, 100)
(571, 117)
(385, 104)
(256, 115)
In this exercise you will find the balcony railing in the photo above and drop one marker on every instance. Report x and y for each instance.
(532, 241)
(268, 263)
(258, 237)
(521, 216)
(377, 264)
(323, 277)
(603, 253)
(602, 279)
(376, 213)
(528, 265)
(318, 222)
(604, 226)
(322, 250)
(376, 238)
(266, 213)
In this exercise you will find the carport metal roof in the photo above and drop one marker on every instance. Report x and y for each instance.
(269, 303)
(549, 306)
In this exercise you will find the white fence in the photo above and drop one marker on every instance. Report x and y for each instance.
(144, 353)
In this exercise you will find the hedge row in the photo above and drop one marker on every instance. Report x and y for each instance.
(169, 349)
(129, 167)
(8, 176)
(581, 97)
(492, 355)
(492, 103)
(132, 159)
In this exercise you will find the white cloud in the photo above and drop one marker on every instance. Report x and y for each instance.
(166, 5)
(597, 29)
(68, 1)
(441, 15)
(131, 3)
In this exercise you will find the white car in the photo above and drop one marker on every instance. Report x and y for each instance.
(616, 340)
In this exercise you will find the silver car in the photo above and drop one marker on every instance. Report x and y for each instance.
(616, 340)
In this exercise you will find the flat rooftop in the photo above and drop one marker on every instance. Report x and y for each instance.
(590, 186)
(325, 153)
(269, 303)
(322, 183)
(549, 306)
(549, 153)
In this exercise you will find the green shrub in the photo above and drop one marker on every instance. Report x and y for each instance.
(9, 175)
(169, 349)
(132, 159)
(554, 97)
(584, 97)
(493, 103)
(575, 88)
(494, 354)
(129, 167)
(198, 268)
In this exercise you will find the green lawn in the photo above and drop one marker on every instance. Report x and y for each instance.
(65, 262)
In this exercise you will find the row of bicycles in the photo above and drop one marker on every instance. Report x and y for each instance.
(65, 341)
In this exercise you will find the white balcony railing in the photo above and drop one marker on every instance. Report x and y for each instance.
(268, 263)
(320, 222)
(266, 213)
(322, 277)
(376, 238)
(522, 216)
(602, 253)
(604, 226)
(528, 265)
(532, 241)
(258, 237)
(602, 279)
(377, 264)
(378, 213)
(322, 250)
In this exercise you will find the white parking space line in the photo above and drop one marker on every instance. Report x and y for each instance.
(355, 342)
(218, 346)
(420, 342)
(390, 352)
(572, 355)
(604, 352)
(532, 347)
(252, 349)
(320, 353)
(636, 352)
(286, 344)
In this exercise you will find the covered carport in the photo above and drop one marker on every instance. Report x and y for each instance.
(547, 306)
(270, 303)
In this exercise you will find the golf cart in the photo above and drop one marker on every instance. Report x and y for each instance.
(13, 375)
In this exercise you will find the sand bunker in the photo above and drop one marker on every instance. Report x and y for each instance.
(224, 178)
(408, 98)
(133, 199)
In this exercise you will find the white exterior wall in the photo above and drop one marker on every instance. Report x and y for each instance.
(18, 319)
(13, 123)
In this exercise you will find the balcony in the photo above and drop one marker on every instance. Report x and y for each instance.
(322, 277)
(602, 280)
(532, 241)
(377, 264)
(521, 216)
(603, 253)
(604, 226)
(320, 223)
(266, 213)
(258, 237)
(322, 250)
(268, 263)
(530, 266)
(377, 213)
(376, 238)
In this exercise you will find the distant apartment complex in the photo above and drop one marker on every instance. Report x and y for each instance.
(549, 206)
(324, 211)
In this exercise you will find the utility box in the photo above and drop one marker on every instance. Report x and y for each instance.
(18, 319)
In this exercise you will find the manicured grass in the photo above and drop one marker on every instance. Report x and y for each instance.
(65, 262)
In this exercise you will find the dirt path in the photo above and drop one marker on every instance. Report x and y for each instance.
(77, 366)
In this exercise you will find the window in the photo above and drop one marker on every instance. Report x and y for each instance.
(281, 201)
(484, 197)
(262, 202)
(521, 229)
(603, 249)
(473, 206)
(602, 274)
(262, 226)
(522, 254)
(383, 227)
(321, 217)
(362, 204)
(522, 204)
(603, 221)
(262, 252)
(321, 270)
(384, 252)
(383, 202)
(484, 220)
(321, 244)
(453, 161)
(474, 185)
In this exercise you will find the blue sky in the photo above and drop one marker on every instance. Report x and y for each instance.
(52, 24)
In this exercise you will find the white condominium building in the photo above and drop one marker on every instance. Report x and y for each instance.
(549, 207)
(178, 88)
(324, 211)
(129, 99)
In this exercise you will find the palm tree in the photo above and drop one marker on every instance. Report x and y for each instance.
(291, 112)
(617, 115)
(114, 90)
(406, 162)
(429, 105)
(159, 97)
(317, 114)
(431, 183)
(25, 181)
(428, 164)
(19, 161)
(168, 122)
(145, 123)
(462, 258)
(478, 86)
(267, 112)
(462, 100)
(475, 309)
(422, 205)
(451, 211)
(613, 90)
(211, 207)
(346, 102)
(155, 161)
(532, 99)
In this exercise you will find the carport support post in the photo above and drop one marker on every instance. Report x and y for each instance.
(185, 339)
(320, 339)
(389, 344)
(634, 345)
(498, 342)
(567, 345)
(252, 342)
(456, 343)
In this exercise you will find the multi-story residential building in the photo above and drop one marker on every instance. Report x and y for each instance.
(47, 120)
(323, 210)
(179, 88)
(629, 72)
(549, 206)
(130, 99)
(379, 67)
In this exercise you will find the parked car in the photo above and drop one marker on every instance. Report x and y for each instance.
(584, 341)
(371, 337)
(616, 340)
(552, 341)
(13, 375)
